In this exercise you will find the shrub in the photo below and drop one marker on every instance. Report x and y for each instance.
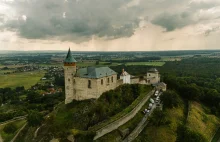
(10, 128)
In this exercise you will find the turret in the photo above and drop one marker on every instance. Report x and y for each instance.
(69, 73)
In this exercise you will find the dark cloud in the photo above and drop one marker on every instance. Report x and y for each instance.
(84, 18)
(103, 18)
(183, 17)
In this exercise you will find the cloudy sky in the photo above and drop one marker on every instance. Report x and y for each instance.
(109, 25)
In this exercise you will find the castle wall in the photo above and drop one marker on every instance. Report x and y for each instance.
(135, 80)
(98, 86)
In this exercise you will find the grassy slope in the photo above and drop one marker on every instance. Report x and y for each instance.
(131, 125)
(166, 133)
(7, 137)
(26, 79)
(201, 122)
(145, 90)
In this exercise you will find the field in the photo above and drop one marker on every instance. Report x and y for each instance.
(171, 59)
(11, 66)
(201, 122)
(7, 137)
(26, 79)
(146, 63)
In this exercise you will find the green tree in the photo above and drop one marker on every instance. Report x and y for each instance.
(170, 99)
(10, 128)
(34, 118)
(159, 118)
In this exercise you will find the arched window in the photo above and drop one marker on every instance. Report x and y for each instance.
(112, 78)
(108, 80)
(101, 81)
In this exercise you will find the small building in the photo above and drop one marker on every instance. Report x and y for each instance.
(126, 77)
(161, 86)
(153, 76)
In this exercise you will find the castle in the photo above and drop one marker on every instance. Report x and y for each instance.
(91, 82)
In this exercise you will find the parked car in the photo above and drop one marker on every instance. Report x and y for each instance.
(152, 100)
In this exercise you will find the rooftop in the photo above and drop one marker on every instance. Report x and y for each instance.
(69, 58)
(93, 72)
(153, 70)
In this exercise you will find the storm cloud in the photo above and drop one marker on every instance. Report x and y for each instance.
(79, 21)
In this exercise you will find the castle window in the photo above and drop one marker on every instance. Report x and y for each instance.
(89, 84)
(68, 79)
(108, 80)
(101, 81)
(149, 74)
(112, 78)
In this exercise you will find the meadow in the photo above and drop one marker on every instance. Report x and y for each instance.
(26, 79)
(146, 63)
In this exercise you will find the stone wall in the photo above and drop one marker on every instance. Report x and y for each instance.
(114, 125)
(69, 71)
(98, 86)
(135, 80)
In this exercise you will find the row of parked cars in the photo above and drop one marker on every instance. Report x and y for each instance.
(156, 100)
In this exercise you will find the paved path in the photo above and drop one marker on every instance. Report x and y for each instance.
(139, 127)
(14, 119)
(114, 125)
(18, 133)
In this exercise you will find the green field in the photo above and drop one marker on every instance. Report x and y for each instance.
(26, 79)
(146, 63)
(11, 66)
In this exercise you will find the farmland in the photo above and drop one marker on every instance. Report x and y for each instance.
(26, 79)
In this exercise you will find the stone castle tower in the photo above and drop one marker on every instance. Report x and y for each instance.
(69, 73)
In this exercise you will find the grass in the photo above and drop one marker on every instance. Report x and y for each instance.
(201, 122)
(7, 137)
(146, 63)
(217, 136)
(131, 125)
(164, 133)
(125, 111)
(26, 79)
(170, 59)
(5, 71)
(11, 66)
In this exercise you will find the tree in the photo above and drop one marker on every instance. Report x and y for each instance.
(34, 118)
(158, 118)
(10, 128)
(97, 62)
(170, 99)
